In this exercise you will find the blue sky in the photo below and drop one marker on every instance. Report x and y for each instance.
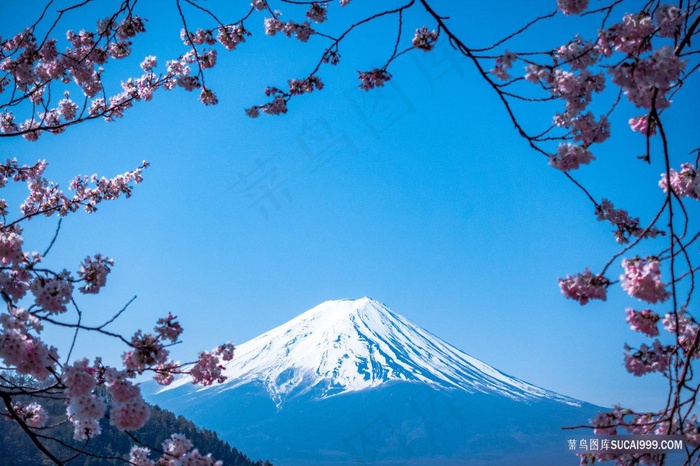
(420, 195)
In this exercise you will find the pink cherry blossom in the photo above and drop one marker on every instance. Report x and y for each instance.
(86, 407)
(503, 64)
(578, 54)
(584, 128)
(119, 387)
(298, 87)
(149, 63)
(231, 35)
(168, 329)
(15, 283)
(27, 354)
(424, 39)
(207, 369)
(84, 430)
(643, 321)
(165, 372)
(570, 157)
(645, 78)
(207, 97)
(278, 106)
(225, 351)
(641, 124)
(584, 286)
(10, 246)
(259, 4)
(669, 19)
(94, 272)
(67, 108)
(147, 352)
(52, 294)
(375, 78)
(646, 359)
(252, 112)
(685, 328)
(129, 415)
(627, 226)
(631, 36)
(177, 445)
(691, 431)
(194, 457)
(79, 378)
(642, 279)
(317, 12)
(572, 7)
(683, 183)
(32, 414)
(138, 456)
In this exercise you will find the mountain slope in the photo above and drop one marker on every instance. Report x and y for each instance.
(351, 345)
(351, 382)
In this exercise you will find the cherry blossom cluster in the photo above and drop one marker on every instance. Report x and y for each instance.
(686, 329)
(584, 128)
(52, 294)
(259, 5)
(572, 7)
(631, 36)
(22, 349)
(570, 157)
(278, 105)
(46, 198)
(168, 328)
(177, 450)
(93, 271)
(643, 124)
(576, 89)
(647, 72)
(627, 227)
(32, 414)
(503, 64)
(208, 368)
(642, 279)
(654, 358)
(228, 35)
(584, 286)
(425, 39)
(128, 410)
(646, 82)
(302, 86)
(683, 183)
(643, 321)
(301, 31)
(317, 12)
(375, 78)
(579, 54)
(33, 66)
(669, 19)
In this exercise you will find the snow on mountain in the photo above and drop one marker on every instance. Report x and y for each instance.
(350, 345)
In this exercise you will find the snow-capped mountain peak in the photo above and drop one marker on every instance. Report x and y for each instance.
(351, 345)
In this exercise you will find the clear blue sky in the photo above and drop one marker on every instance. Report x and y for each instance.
(420, 195)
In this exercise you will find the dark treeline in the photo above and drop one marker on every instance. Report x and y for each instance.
(17, 449)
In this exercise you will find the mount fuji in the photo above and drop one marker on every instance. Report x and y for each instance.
(353, 382)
